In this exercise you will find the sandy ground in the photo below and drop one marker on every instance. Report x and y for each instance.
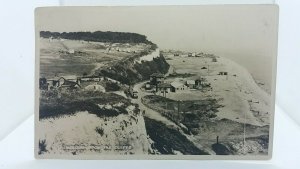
(242, 99)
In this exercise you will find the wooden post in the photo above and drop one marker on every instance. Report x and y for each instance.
(217, 139)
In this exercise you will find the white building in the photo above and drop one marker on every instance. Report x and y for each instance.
(178, 86)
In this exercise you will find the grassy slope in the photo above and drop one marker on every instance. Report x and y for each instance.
(167, 139)
(54, 104)
(128, 72)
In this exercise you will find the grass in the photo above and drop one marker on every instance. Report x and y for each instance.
(65, 69)
(55, 104)
(167, 139)
(220, 149)
(192, 113)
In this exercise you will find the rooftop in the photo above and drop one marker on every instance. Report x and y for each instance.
(192, 82)
(176, 84)
(164, 85)
(157, 75)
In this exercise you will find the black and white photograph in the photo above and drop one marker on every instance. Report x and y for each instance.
(156, 82)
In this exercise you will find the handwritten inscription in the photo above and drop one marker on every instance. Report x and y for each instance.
(95, 147)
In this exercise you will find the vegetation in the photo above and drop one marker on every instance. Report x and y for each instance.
(55, 104)
(191, 112)
(167, 140)
(129, 73)
(100, 130)
(220, 149)
(42, 147)
(111, 86)
(181, 75)
(99, 36)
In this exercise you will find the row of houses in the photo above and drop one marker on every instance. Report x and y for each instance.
(158, 81)
(178, 86)
(70, 82)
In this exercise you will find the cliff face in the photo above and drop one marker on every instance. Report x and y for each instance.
(130, 72)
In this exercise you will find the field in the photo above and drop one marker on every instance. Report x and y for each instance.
(76, 57)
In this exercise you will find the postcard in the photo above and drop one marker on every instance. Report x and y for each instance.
(155, 82)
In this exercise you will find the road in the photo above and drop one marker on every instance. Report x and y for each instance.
(149, 112)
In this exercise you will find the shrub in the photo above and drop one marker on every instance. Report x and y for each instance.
(100, 131)
(42, 146)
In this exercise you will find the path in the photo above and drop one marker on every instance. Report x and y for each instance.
(149, 112)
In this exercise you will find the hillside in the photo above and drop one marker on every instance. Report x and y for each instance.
(129, 71)
(99, 36)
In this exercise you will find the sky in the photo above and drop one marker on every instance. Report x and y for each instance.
(246, 34)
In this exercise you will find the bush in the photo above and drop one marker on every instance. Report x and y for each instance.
(111, 86)
(100, 131)
(42, 146)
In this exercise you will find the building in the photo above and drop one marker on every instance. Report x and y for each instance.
(192, 54)
(69, 84)
(156, 78)
(178, 86)
(223, 73)
(191, 84)
(148, 86)
(62, 82)
(71, 78)
(164, 87)
(43, 83)
(133, 93)
(71, 51)
(90, 78)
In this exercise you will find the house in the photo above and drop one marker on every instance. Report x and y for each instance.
(133, 93)
(178, 86)
(223, 73)
(71, 78)
(71, 51)
(164, 87)
(90, 78)
(191, 84)
(69, 84)
(148, 86)
(54, 82)
(156, 78)
(65, 82)
(43, 83)
(200, 81)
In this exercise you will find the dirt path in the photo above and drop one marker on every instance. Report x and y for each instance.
(149, 112)
(97, 66)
